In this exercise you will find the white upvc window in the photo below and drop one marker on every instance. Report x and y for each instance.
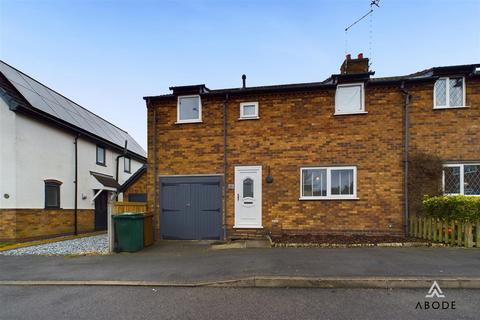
(249, 110)
(189, 109)
(462, 178)
(328, 183)
(350, 99)
(449, 92)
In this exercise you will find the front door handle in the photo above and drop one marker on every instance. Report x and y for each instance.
(238, 197)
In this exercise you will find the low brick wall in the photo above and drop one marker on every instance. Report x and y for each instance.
(30, 224)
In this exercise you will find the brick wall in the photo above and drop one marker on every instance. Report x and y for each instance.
(26, 224)
(299, 129)
(139, 186)
(453, 134)
(295, 130)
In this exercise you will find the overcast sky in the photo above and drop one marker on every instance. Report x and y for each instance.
(107, 55)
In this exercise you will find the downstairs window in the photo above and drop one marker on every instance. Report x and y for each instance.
(319, 183)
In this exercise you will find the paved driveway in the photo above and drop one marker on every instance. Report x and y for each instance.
(190, 261)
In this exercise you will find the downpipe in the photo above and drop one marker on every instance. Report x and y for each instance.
(406, 145)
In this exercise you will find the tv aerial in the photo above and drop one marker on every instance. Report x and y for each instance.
(373, 5)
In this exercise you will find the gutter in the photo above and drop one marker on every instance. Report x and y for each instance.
(225, 185)
(75, 210)
(406, 143)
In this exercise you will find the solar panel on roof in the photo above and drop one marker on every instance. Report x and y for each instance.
(51, 102)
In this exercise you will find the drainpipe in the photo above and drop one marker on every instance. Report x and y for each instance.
(406, 141)
(225, 185)
(119, 156)
(76, 186)
(154, 169)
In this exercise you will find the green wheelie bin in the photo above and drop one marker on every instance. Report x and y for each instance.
(128, 232)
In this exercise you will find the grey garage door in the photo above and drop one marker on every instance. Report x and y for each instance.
(190, 207)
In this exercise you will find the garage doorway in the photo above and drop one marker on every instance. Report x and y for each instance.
(191, 207)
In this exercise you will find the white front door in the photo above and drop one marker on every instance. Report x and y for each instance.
(248, 197)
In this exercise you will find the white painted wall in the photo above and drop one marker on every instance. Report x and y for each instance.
(7, 158)
(33, 151)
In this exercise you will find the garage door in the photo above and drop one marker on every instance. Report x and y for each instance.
(190, 207)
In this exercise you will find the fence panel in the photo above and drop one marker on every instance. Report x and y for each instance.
(455, 233)
(121, 207)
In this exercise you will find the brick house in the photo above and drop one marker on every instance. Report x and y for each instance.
(59, 162)
(323, 157)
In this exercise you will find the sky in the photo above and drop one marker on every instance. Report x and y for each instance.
(107, 55)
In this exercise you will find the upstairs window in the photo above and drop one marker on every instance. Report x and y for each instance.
(249, 110)
(461, 179)
(101, 156)
(189, 109)
(349, 98)
(52, 194)
(324, 183)
(127, 162)
(449, 92)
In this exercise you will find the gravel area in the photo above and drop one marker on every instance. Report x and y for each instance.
(87, 245)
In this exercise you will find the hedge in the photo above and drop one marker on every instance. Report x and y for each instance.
(464, 208)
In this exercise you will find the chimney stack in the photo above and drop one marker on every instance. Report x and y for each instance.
(351, 66)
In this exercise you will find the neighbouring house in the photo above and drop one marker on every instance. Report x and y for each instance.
(59, 163)
(323, 157)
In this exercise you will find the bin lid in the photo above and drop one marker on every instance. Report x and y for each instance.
(129, 215)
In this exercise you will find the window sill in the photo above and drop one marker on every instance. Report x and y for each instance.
(52, 208)
(247, 227)
(349, 113)
(188, 121)
(127, 172)
(327, 198)
(101, 164)
(456, 107)
(248, 118)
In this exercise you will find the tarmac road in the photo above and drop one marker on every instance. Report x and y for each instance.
(80, 302)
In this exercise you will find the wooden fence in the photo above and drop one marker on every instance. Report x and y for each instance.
(121, 207)
(456, 233)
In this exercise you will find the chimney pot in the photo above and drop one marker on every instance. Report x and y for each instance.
(360, 56)
(349, 56)
(244, 82)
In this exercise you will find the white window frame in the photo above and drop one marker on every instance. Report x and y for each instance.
(248, 117)
(329, 195)
(462, 178)
(199, 109)
(447, 92)
(362, 98)
(129, 161)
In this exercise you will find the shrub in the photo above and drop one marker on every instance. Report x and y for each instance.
(464, 208)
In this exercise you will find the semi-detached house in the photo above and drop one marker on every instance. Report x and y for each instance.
(323, 157)
(59, 162)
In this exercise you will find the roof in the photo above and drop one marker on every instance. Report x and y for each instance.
(330, 82)
(106, 180)
(47, 101)
(134, 177)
